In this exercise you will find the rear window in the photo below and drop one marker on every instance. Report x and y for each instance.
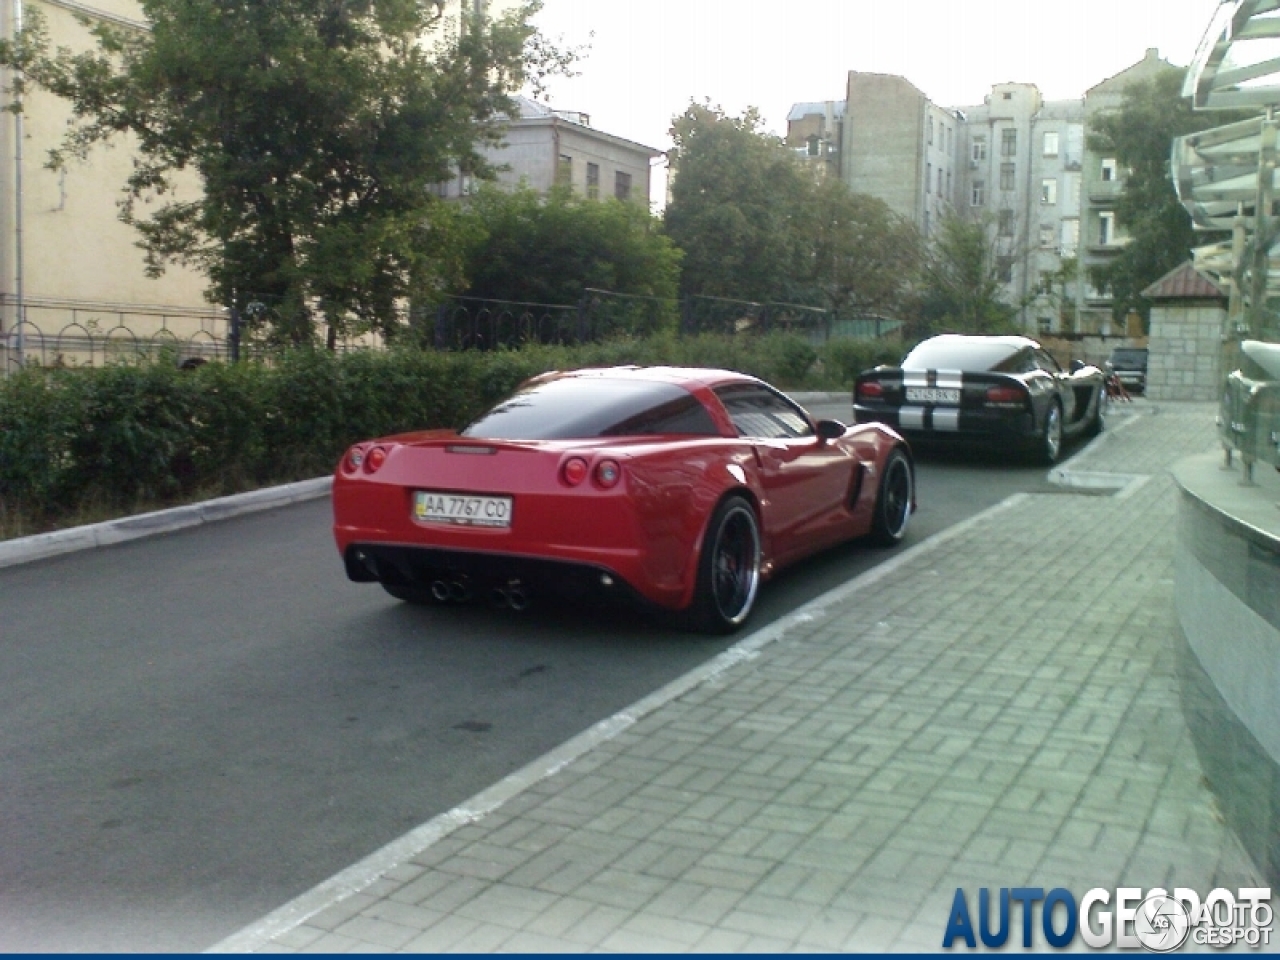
(585, 407)
(1130, 357)
(959, 353)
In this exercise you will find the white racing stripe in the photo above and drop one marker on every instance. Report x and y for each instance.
(951, 379)
(946, 418)
(911, 418)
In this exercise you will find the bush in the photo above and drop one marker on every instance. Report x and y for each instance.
(145, 434)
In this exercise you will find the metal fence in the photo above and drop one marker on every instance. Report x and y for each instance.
(49, 332)
(79, 333)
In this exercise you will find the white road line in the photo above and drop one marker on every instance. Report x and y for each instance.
(361, 875)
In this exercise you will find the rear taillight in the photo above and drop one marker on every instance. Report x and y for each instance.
(871, 389)
(1006, 396)
(574, 471)
(374, 459)
(608, 473)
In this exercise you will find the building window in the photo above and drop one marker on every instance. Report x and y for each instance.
(1051, 143)
(1007, 95)
(1049, 190)
(1009, 143)
(926, 223)
(1110, 171)
(593, 181)
(1046, 282)
(979, 149)
(1007, 171)
(622, 185)
(939, 181)
(1006, 223)
(1046, 324)
(928, 177)
(1106, 228)
(931, 131)
(978, 194)
(564, 171)
(1070, 237)
(1004, 269)
(1046, 235)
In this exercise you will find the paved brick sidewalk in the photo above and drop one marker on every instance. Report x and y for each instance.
(999, 710)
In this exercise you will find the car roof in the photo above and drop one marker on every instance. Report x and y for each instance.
(683, 376)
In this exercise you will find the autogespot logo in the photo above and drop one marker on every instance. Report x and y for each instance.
(1127, 918)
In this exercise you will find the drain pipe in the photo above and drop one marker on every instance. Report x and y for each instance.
(19, 287)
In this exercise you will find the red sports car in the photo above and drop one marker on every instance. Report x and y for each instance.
(682, 487)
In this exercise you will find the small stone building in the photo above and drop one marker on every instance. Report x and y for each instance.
(1188, 315)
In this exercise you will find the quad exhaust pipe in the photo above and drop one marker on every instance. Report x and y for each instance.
(451, 591)
(513, 595)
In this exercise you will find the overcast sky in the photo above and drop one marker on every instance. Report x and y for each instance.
(648, 58)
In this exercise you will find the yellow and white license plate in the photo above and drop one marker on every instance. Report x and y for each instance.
(437, 506)
(933, 395)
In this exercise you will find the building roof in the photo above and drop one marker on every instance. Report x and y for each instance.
(823, 108)
(1184, 282)
(1149, 66)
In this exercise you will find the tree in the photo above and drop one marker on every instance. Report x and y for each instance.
(316, 128)
(1140, 135)
(962, 281)
(547, 250)
(737, 196)
(866, 258)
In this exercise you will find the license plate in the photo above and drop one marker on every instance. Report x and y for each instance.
(933, 395)
(435, 506)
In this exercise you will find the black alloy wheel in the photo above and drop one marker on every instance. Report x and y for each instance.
(893, 499)
(729, 568)
(1051, 442)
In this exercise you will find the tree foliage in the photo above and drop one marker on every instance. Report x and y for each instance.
(736, 196)
(1140, 135)
(960, 285)
(316, 128)
(756, 224)
(866, 258)
(532, 249)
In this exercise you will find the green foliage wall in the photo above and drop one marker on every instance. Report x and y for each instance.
(141, 435)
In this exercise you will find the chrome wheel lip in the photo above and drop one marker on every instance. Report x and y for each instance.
(896, 508)
(1053, 433)
(741, 572)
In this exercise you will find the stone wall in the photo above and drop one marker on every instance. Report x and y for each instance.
(1185, 350)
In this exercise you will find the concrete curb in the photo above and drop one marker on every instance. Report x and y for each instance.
(45, 545)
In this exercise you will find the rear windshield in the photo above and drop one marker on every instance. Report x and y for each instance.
(954, 353)
(585, 407)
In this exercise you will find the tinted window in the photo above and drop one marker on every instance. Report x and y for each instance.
(955, 353)
(757, 411)
(582, 407)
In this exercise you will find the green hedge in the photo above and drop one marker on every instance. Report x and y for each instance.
(134, 436)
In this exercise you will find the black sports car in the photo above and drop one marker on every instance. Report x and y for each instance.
(1005, 391)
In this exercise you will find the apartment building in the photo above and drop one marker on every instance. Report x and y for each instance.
(544, 147)
(1015, 161)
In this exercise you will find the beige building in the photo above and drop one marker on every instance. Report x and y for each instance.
(64, 254)
(65, 257)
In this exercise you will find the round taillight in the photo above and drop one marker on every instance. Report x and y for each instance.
(374, 459)
(351, 462)
(574, 471)
(871, 388)
(1005, 395)
(608, 473)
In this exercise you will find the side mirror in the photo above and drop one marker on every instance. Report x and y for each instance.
(830, 430)
(1077, 366)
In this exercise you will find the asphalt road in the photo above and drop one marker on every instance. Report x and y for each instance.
(197, 727)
